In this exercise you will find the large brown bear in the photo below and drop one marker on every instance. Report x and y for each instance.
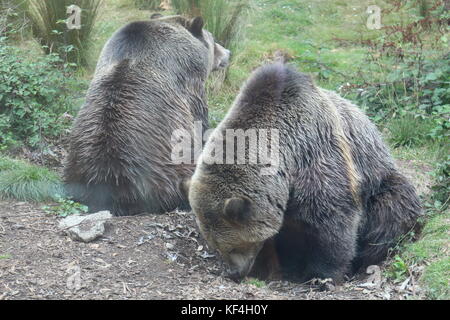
(331, 204)
(149, 81)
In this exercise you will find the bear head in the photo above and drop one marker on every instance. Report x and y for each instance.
(219, 57)
(234, 221)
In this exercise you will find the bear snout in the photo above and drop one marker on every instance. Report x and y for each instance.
(226, 59)
(235, 275)
(238, 266)
(222, 57)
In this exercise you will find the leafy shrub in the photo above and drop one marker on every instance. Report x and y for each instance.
(418, 84)
(441, 187)
(26, 182)
(398, 270)
(407, 71)
(34, 94)
(65, 207)
(49, 27)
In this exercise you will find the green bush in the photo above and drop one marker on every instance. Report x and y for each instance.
(25, 182)
(34, 94)
(398, 269)
(417, 84)
(49, 27)
(408, 70)
(65, 207)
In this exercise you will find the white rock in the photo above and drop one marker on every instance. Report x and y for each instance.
(85, 228)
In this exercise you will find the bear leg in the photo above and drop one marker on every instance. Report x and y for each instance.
(328, 252)
(389, 214)
(324, 250)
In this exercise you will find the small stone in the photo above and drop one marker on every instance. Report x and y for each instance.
(85, 228)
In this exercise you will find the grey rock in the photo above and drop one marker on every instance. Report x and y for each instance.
(169, 246)
(85, 228)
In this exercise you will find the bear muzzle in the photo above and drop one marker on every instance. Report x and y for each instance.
(225, 59)
(238, 270)
(236, 275)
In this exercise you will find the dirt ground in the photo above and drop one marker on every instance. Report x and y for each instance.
(146, 257)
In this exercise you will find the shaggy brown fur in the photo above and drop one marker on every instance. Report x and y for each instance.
(335, 204)
(149, 81)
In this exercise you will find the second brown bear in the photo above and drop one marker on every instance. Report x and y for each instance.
(334, 203)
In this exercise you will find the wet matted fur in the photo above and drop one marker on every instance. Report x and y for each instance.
(149, 81)
(337, 202)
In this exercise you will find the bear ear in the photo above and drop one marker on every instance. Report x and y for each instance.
(156, 16)
(238, 210)
(196, 26)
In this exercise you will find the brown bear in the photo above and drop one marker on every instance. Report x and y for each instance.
(149, 81)
(332, 203)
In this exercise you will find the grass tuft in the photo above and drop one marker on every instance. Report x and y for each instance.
(26, 182)
(9, 164)
(148, 4)
(409, 131)
(431, 250)
(223, 18)
(49, 27)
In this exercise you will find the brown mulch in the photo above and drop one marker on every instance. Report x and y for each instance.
(143, 257)
(151, 257)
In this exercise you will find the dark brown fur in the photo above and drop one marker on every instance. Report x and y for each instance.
(336, 203)
(149, 81)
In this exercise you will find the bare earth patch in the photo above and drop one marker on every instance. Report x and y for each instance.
(145, 257)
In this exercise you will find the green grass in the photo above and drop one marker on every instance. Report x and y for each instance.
(223, 18)
(26, 182)
(427, 154)
(9, 164)
(306, 33)
(5, 256)
(147, 4)
(47, 19)
(409, 131)
(432, 252)
(257, 283)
